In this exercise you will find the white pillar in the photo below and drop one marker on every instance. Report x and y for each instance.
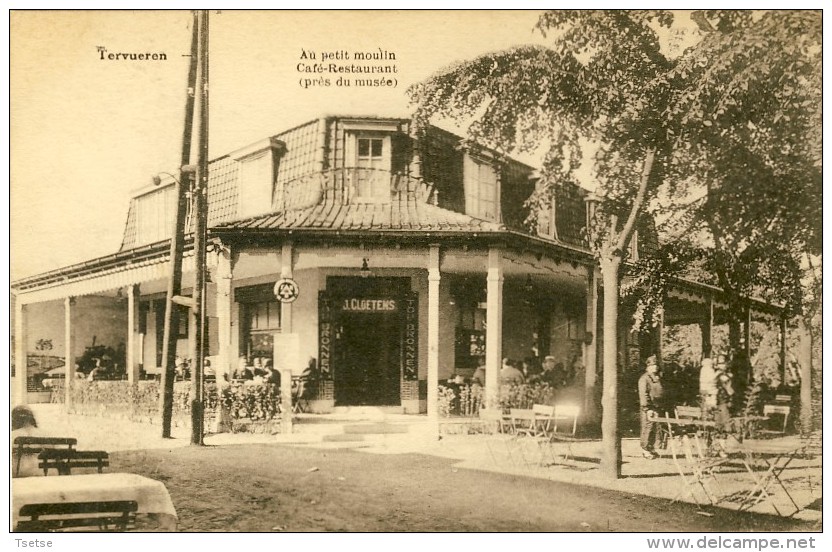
(21, 371)
(286, 271)
(69, 351)
(494, 327)
(225, 299)
(591, 348)
(434, 277)
(133, 338)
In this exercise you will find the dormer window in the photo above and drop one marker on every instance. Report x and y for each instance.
(481, 188)
(371, 160)
(258, 164)
(154, 215)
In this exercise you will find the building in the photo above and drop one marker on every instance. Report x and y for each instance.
(411, 257)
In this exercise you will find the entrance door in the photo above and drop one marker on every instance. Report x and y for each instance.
(369, 368)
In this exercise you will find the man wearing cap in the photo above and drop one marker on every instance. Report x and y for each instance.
(650, 395)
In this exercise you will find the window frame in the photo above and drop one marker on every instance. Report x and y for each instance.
(473, 187)
(380, 191)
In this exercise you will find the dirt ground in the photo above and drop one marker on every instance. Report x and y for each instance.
(273, 487)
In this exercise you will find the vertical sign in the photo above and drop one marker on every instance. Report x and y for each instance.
(325, 338)
(411, 337)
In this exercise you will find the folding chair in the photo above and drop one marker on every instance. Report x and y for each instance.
(524, 431)
(779, 410)
(688, 412)
(523, 421)
(567, 412)
(496, 427)
(700, 468)
(494, 418)
(562, 430)
(300, 399)
(544, 418)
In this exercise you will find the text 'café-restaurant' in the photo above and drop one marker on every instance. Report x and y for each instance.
(395, 261)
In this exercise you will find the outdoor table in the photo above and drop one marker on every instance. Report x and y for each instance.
(152, 496)
(765, 462)
(705, 425)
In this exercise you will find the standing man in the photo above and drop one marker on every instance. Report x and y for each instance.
(650, 394)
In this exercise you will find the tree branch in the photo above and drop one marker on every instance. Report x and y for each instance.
(627, 231)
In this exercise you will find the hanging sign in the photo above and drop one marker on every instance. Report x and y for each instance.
(286, 290)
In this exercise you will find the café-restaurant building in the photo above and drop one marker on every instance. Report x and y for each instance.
(393, 261)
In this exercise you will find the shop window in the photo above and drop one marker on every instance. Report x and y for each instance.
(260, 320)
(481, 188)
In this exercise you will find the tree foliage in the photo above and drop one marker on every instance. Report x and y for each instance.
(734, 121)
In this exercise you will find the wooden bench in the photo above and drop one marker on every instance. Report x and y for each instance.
(65, 460)
(117, 515)
(30, 445)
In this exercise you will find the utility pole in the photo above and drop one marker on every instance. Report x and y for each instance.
(177, 242)
(200, 209)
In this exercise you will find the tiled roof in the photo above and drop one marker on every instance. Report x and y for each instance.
(404, 215)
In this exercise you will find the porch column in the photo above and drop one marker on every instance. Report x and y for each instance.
(69, 351)
(133, 337)
(21, 370)
(783, 351)
(707, 328)
(494, 327)
(591, 347)
(286, 271)
(225, 299)
(434, 277)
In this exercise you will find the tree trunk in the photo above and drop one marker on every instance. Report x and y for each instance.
(804, 358)
(734, 334)
(610, 433)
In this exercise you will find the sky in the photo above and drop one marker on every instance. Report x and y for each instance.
(87, 132)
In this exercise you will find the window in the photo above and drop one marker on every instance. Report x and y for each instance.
(371, 160)
(258, 168)
(480, 189)
(547, 217)
(155, 212)
(260, 316)
(256, 186)
(262, 320)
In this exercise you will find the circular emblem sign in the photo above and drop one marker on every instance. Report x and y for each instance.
(286, 290)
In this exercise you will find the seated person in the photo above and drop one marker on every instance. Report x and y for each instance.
(510, 375)
(271, 375)
(24, 424)
(243, 372)
(552, 374)
(208, 370)
(310, 373)
(479, 374)
(97, 372)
